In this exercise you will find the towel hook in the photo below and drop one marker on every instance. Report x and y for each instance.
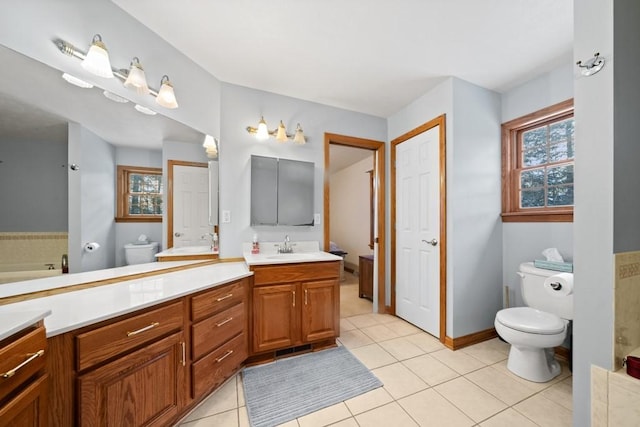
(592, 66)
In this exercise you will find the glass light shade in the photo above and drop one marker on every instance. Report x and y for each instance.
(115, 98)
(262, 133)
(166, 97)
(145, 110)
(211, 147)
(281, 135)
(97, 59)
(76, 81)
(299, 136)
(136, 79)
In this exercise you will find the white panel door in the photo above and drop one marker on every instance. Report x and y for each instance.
(418, 231)
(190, 206)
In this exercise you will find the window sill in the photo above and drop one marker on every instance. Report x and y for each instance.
(559, 216)
(139, 219)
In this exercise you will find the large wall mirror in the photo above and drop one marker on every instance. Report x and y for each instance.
(39, 194)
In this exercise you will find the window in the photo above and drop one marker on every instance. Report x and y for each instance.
(538, 152)
(139, 194)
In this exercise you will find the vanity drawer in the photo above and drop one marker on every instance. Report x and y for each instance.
(288, 273)
(20, 359)
(216, 367)
(212, 332)
(217, 299)
(108, 341)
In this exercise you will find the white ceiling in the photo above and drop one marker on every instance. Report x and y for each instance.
(371, 56)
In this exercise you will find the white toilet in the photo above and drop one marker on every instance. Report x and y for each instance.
(534, 331)
(140, 254)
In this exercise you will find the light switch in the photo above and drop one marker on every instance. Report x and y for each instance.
(226, 217)
(316, 219)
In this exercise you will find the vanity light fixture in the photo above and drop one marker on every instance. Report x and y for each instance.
(97, 59)
(211, 146)
(76, 81)
(166, 97)
(262, 132)
(97, 62)
(136, 79)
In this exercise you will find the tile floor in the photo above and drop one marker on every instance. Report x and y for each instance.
(425, 384)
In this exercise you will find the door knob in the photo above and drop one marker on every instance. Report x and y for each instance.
(177, 234)
(432, 242)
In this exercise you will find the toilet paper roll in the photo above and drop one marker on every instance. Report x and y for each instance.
(559, 285)
(91, 247)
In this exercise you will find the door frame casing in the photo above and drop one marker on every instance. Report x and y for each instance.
(378, 148)
(169, 205)
(438, 121)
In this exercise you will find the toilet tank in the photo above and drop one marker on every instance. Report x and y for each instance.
(535, 295)
(140, 254)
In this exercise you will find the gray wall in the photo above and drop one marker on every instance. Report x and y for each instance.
(474, 235)
(34, 185)
(91, 200)
(127, 232)
(524, 241)
(626, 105)
(594, 202)
(242, 107)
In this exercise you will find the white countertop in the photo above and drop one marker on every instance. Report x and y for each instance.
(72, 310)
(65, 280)
(15, 321)
(303, 251)
(186, 251)
(267, 259)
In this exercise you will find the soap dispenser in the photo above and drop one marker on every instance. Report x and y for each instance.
(215, 242)
(65, 264)
(255, 247)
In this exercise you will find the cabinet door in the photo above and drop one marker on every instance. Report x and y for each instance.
(275, 311)
(28, 408)
(144, 388)
(320, 310)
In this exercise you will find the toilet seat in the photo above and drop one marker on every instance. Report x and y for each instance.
(530, 320)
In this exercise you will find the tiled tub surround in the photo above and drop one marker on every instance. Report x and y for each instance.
(25, 255)
(615, 396)
(627, 305)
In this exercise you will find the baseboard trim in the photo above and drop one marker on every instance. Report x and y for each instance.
(467, 340)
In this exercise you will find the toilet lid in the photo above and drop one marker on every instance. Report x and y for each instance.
(527, 319)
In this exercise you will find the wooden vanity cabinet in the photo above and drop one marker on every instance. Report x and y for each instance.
(143, 381)
(219, 342)
(23, 391)
(294, 304)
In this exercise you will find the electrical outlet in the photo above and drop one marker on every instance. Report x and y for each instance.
(316, 219)
(226, 217)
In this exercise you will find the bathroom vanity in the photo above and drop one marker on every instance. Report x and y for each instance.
(295, 300)
(145, 349)
(23, 386)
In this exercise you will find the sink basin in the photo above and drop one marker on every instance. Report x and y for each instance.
(300, 256)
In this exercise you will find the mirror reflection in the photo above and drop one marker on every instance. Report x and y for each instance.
(60, 146)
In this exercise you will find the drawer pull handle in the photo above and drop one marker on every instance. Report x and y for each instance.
(32, 357)
(227, 354)
(224, 321)
(224, 297)
(305, 297)
(294, 298)
(184, 353)
(146, 328)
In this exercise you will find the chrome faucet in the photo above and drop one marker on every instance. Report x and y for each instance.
(286, 247)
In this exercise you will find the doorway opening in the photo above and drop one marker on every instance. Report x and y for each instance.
(363, 161)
